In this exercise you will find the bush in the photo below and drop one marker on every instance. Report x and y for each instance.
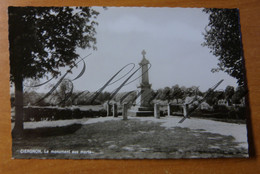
(39, 114)
(220, 108)
(222, 112)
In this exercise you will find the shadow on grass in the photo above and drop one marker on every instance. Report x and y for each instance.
(51, 131)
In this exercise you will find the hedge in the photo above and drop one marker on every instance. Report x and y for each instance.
(238, 113)
(38, 114)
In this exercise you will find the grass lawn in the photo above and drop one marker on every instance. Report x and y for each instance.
(125, 139)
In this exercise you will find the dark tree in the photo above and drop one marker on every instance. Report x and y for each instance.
(159, 94)
(222, 36)
(42, 39)
(239, 94)
(104, 96)
(192, 91)
(166, 94)
(229, 92)
(64, 93)
(177, 93)
(214, 97)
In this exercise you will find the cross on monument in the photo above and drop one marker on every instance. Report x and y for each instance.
(143, 53)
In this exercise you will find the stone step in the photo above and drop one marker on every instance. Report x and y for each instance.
(138, 108)
(135, 113)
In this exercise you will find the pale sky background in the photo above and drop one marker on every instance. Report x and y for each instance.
(172, 39)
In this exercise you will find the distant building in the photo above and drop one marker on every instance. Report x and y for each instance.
(222, 102)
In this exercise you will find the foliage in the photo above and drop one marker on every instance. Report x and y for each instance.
(215, 96)
(43, 39)
(86, 98)
(222, 37)
(176, 93)
(229, 92)
(238, 95)
(167, 94)
(104, 96)
(64, 93)
(39, 114)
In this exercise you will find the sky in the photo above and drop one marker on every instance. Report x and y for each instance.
(172, 39)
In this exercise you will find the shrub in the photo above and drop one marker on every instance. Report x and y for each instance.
(38, 113)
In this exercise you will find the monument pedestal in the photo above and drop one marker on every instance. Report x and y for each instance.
(139, 111)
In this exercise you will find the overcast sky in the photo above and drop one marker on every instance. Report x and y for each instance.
(172, 39)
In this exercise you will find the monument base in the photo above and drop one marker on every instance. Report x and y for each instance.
(140, 111)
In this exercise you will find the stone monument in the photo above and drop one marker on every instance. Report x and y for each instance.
(145, 86)
(143, 106)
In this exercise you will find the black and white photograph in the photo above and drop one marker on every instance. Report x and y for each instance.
(127, 83)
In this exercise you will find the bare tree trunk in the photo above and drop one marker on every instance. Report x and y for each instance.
(18, 128)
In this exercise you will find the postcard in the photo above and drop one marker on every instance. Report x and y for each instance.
(127, 83)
